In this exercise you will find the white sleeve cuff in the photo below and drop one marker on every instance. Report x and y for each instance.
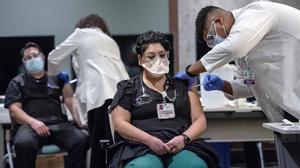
(240, 90)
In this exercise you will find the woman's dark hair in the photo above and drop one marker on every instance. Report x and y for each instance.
(93, 20)
(149, 37)
(28, 45)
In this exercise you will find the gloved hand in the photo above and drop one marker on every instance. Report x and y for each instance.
(184, 76)
(63, 77)
(212, 82)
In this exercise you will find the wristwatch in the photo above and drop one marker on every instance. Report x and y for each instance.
(187, 139)
(187, 72)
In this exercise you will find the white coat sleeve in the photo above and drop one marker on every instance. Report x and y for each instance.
(62, 51)
(75, 65)
(239, 89)
(252, 24)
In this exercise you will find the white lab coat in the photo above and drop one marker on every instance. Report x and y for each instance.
(97, 64)
(267, 36)
(240, 90)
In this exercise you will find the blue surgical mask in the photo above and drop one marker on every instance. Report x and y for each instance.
(218, 39)
(34, 65)
(213, 37)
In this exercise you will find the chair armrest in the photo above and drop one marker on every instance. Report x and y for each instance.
(104, 143)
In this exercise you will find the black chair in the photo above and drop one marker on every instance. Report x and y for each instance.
(107, 144)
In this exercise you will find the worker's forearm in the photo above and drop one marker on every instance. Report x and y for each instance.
(69, 102)
(196, 68)
(227, 88)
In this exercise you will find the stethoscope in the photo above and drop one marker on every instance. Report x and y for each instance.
(146, 98)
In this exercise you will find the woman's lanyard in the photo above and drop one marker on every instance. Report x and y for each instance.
(164, 110)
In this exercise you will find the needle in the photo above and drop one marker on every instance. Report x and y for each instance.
(198, 85)
(73, 81)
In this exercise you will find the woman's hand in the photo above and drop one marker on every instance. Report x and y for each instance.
(158, 146)
(176, 144)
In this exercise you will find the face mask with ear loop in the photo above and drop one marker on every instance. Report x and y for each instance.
(34, 65)
(157, 67)
(212, 37)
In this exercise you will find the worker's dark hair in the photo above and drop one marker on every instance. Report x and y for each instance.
(201, 20)
(28, 45)
(143, 41)
(93, 20)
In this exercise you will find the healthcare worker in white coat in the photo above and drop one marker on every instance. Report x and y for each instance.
(98, 67)
(263, 38)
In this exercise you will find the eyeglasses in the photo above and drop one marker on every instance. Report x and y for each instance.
(211, 34)
(29, 57)
(153, 57)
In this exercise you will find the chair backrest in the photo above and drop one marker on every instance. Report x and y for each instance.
(112, 130)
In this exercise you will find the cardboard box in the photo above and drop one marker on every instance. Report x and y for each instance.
(53, 161)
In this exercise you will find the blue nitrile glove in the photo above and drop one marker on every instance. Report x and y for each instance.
(63, 77)
(184, 76)
(212, 82)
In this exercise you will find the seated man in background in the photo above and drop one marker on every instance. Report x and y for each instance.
(33, 99)
(158, 122)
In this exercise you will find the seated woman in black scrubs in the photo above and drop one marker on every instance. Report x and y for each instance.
(158, 121)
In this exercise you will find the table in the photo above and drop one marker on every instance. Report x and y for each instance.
(287, 139)
(236, 125)
(4, 115)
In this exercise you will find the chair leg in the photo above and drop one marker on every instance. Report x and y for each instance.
(9, 155)
(6, 162)
(261, 155)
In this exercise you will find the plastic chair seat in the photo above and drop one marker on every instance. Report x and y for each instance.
(50, 149)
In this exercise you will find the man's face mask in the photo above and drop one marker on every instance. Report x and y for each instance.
(157, 65)
(212, 36)
(34, 65)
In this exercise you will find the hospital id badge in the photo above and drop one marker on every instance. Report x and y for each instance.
(249, 77)
(165, 110)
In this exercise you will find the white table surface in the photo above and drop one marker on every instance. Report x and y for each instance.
(232, 109)
(4, 115)
(283, 128)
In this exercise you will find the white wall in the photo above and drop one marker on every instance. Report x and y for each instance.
(58, 17)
